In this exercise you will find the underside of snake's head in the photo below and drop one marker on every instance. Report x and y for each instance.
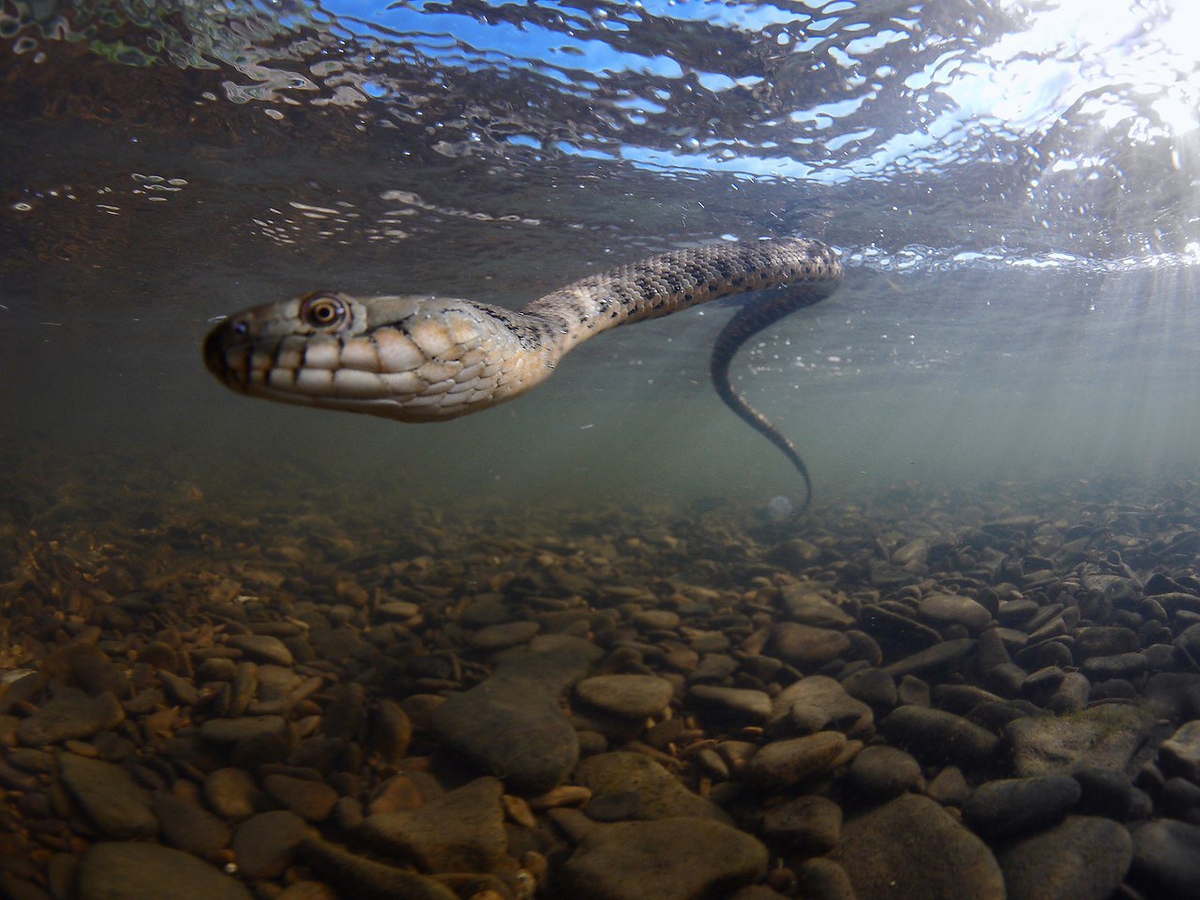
(411, 358)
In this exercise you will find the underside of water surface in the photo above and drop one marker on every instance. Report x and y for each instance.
(582, 645)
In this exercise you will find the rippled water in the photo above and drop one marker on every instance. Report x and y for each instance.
(1013, 186)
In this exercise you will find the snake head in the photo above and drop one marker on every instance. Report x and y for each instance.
(411, 358)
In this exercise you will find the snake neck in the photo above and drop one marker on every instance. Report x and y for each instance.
(675, 281)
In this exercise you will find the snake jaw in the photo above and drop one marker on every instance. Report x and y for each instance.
(414, 359)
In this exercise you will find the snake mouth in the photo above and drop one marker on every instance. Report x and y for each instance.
(217, 345)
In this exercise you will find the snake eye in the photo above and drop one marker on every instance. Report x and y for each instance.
(323, 312)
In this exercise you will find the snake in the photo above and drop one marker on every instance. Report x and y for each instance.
(422, 358)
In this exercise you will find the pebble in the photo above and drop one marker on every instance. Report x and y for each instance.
(1082, 858)
(141, 871)
(680, 858)
(837, 708)
(660, 795)
(1180, 754)
(823, 879)
(806, 646)
(365, 879)
(781, 764)
(108, 796)
(810, 826)
(872, 686)
(263, 648)
(631, 696)
(264, 843)
(72, 715)
(956, 609)
(1104, 792)
(882, 772)
(911, 849)
(1018, 806)
(736, 705)
(310, 799)
(511, 725)
(508, 634)
(932, 659)
(1104, 736)
(934, 735)
(232, 794)
(461, 831)
(1166, 860)
(189, 827)
(233, 731)
(810, 608)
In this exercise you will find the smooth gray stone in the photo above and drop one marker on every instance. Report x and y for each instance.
(263, 845)
(460, 831)
(1083, 858)
(1104, 736)
(938, 736)
(664, 859)
(74, 715)
(660, 794)
(1011, 807)
(1166, 859)
(939, 656)
(912, 849)
(108, 795)
(135, 870)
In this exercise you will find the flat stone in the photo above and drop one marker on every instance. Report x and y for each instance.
(1166, 859)
(954, 608)
(823, 879)
(666, 859)
(512, 725)
(461, 831)
(232, 794)
(911, 849)
(1104, 793)
(897, 633)
(1104, 640)
(839, 710)
(884, 772)
(1011, 807)
(1121, 665)
(809, 608)
(108, 796)
(396, 610)
(810, 826)
(872, 686)
(233, 731)
(262, 648)
(1104, 736)
(1083, 858)
(740, 705)
(939, 656)
(935, 735)
(313, 800)
(631, 696)
(1180, 753)
(264, 843)
(508, 634)
(134, 870)
(71, 716)
(781, 764)
(365, 879)
(190, 827)
(806, 646)
(660, 794)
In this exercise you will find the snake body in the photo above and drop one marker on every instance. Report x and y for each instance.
(422, 358)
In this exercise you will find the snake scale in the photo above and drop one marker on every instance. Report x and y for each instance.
(423, 358)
